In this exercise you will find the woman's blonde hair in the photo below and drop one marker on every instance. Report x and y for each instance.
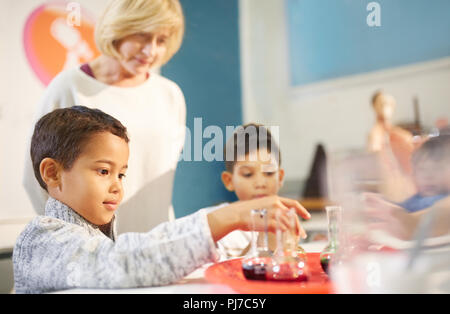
(122, 18)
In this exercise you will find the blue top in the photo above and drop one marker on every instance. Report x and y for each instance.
(418, 202)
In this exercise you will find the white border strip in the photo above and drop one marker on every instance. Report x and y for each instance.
(381, 76)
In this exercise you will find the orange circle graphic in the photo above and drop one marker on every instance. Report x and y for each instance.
(57, 37)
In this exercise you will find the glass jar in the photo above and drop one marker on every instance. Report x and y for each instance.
(289, 261)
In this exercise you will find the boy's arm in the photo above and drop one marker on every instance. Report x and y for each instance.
(390, 217)
(222, 221)
(442, 218)
(402, 224)
(54, 255)
(398, 222)
(238, 216)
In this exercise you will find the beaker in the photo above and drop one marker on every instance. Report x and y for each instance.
(288, 262)
(254, 264)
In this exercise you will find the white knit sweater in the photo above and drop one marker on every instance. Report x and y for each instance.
(154, 114)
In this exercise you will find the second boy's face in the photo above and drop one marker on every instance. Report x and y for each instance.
(257, 176)
(93, 186)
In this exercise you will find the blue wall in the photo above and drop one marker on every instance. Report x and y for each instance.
(207, 69)
(331, 38)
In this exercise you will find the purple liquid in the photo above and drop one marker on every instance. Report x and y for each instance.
(255, 271)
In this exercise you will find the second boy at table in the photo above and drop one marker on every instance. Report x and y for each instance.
(252, 171)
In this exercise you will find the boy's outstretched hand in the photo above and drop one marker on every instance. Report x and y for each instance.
(238, 216)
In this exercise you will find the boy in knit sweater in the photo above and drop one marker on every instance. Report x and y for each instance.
(80, 157)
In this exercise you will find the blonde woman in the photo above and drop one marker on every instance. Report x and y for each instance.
(133, 36)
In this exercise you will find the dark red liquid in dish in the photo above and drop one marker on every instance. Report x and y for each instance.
(254, 271)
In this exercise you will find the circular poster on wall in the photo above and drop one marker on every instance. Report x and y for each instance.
(57, 36)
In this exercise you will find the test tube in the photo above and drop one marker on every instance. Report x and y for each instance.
(255, 263)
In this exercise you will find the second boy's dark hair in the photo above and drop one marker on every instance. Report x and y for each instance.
(62, 134)
(436, 149)
(247, 138)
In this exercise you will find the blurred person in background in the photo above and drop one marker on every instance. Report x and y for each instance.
(431, 176)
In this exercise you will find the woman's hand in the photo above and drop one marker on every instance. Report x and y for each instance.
(238, 216)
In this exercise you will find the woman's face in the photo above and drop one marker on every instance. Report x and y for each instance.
(143, 51)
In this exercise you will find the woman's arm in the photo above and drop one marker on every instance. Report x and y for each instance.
(54, 255)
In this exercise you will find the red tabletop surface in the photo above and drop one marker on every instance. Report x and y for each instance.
(230, 273)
